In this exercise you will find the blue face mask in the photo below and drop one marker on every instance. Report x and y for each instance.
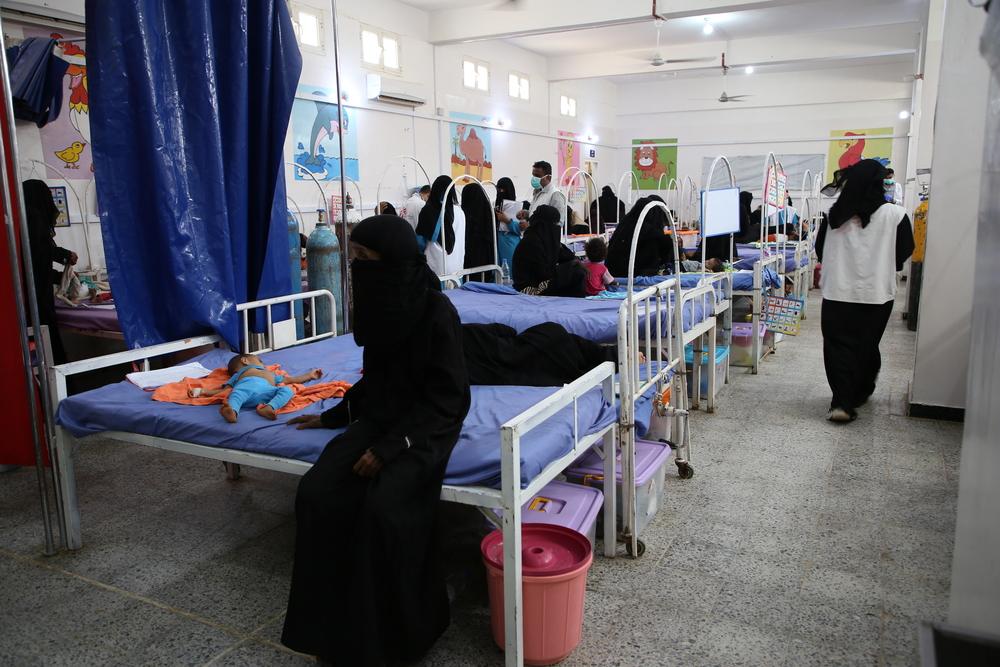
(535, 182)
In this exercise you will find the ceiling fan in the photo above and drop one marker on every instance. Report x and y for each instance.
(725, 97)
(656, 59)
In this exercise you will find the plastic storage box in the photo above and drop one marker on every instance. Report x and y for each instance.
(649, 473)
(721, 354)
(570, 505)
(742, 350)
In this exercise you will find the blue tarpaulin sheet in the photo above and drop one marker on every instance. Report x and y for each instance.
(190, 104)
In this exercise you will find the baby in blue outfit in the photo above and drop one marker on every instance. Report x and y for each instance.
(255, 386)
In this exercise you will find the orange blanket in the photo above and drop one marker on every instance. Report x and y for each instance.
(305, 395)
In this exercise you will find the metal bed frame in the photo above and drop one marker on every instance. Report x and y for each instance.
(508, 499)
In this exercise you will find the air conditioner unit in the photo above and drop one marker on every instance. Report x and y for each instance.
(400, 98)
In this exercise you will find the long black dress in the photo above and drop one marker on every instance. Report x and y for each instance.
(655, 251)
(366, 587)
(542, 264)
(545, 355)
(42, 214)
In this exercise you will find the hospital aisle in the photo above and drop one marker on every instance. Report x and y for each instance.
(797, 542)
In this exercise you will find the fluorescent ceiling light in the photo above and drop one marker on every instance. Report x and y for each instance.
(749, 69)
(708, 28)
(904, 114)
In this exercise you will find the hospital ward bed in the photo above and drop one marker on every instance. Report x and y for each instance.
(514, 440)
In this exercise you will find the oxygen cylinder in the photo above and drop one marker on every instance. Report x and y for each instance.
(295, 268)
(323, 266)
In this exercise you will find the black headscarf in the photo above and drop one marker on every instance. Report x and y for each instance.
(538, 252)
(428, 218)
(862, 192)
(390, 293)
(39, 206)
(655, 249)
(479, 226)
(385, 208)
(505, 192)
(606, 208)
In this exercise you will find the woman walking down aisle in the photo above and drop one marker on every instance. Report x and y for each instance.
(862, 246)
(366, 589)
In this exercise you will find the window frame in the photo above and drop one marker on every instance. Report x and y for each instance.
(381, 36)
(522, 80)
(477, 63)
(320, 13)
(570, 106)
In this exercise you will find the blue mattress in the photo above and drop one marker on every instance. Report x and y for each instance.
(742, 279)
(593, 319)
(474, 461)
(750, 254)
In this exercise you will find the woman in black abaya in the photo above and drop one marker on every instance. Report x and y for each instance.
(542, 264)
(480, 229)
(366, 588)
(607, 208)
(655, 250)
(862, 245)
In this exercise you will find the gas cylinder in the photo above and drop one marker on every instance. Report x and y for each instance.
(323, 267)
(295, 261)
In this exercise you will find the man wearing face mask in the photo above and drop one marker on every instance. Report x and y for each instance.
(893, 190)
(545, 192)
(413, 206)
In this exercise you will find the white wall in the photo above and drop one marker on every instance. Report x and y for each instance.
(435, 74)
(788, 112)
(939, 377)
(975, 580)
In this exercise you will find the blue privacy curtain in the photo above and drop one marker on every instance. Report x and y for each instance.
(190, 102)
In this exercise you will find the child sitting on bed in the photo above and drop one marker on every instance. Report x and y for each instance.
(598, 276)
(254, 385)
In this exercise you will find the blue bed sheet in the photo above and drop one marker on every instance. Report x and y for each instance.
(593, 319)
(474, 461)
(742, 279)
(750, 254)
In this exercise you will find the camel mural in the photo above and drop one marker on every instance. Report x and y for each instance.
(471, 150)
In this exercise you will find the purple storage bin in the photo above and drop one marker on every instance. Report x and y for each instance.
(743, 333)
(649, 476)
(569, 505)
(742, 348)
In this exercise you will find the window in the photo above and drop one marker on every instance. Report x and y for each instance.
(476, 75)
(380, 50)
(518, 86)
(567, 106)
(307, 22)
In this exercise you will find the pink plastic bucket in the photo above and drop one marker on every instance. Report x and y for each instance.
(554, 565)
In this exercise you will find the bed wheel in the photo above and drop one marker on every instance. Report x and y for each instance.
(685, 470)
(640, 548)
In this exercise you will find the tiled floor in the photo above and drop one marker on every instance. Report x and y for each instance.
(797, 542)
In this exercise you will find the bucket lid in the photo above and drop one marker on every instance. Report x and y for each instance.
(546, 550)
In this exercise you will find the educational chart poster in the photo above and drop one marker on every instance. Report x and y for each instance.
(850, 146)
(315, 129)
(650, 163)
(59, 199)
(568, 157)
(782, 314)
(66, 140)
(471, 147)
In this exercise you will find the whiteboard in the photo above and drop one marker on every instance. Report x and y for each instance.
(720, 211)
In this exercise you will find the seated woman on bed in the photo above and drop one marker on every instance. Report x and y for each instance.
(366, 589)
(542, 265)
(655, 251)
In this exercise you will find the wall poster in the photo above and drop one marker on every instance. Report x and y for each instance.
(649, 163)
(315, 128)
(471, 147)
(568, 157)
(850, 146)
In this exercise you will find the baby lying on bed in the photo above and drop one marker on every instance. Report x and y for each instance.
(254, 385)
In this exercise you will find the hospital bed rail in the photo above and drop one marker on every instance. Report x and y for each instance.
(757, 294)
(508, 499)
